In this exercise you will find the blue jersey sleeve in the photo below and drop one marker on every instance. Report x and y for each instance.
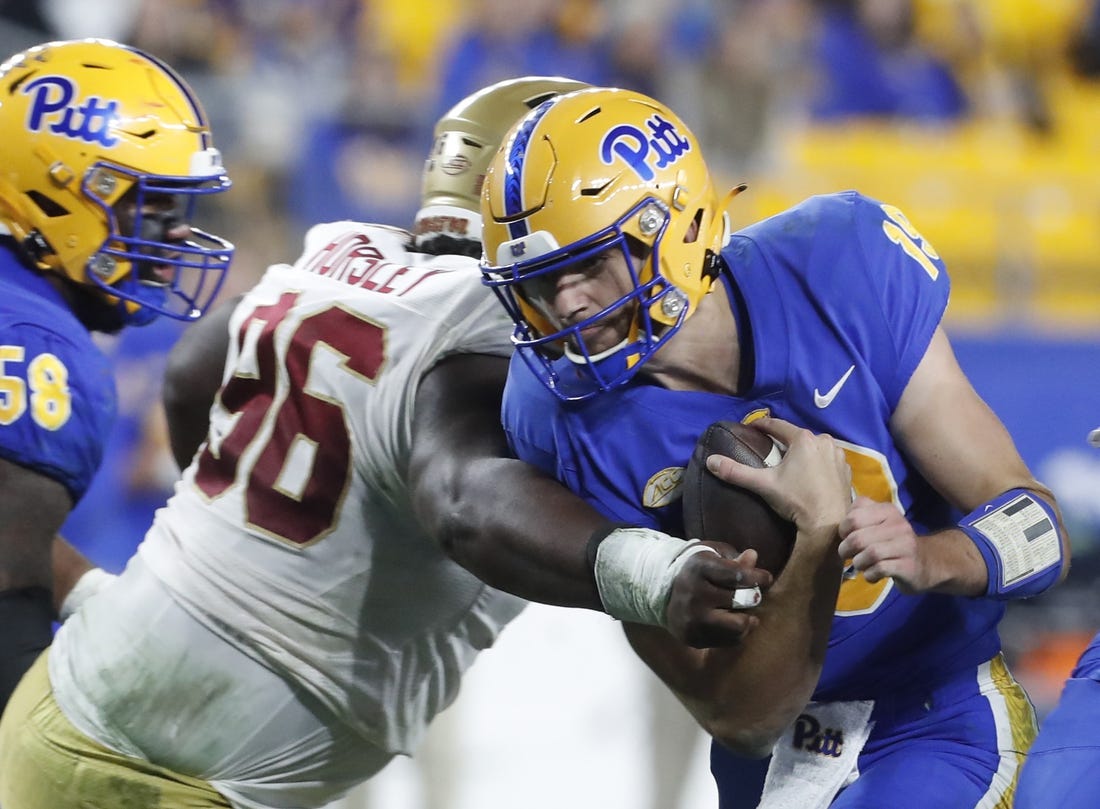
(530, 436)
(900, 277)
(909, 281)
(57, 402)
(855, 264)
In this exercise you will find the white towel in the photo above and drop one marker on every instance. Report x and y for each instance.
(816, 756)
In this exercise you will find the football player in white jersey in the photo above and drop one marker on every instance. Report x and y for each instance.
(289, 623)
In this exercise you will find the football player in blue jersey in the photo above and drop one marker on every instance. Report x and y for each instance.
(640, 319)
(1062, 770)
(103, 152)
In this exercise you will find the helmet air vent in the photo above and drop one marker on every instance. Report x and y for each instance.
(596, 190)
(48, 206)
(589, 114)
(539, 99)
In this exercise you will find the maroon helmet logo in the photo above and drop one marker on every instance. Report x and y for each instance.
(456, 165)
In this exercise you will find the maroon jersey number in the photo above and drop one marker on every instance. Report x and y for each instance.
(283, 498)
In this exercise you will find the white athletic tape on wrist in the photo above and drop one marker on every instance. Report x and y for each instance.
(86, 586)
(635, 568)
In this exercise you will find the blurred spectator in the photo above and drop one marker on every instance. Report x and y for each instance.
(362, 159)
(353, 169)
(1084, 43)
(607, 43)
(492, 42)
(22, 24)
(194, 34)
(110, 19)
(290, 67)
(740, 68)
(413, 31)
(1008, 53)
(637, 42)
(871, 64)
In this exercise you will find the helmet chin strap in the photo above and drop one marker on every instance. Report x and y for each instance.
(35, 247)
(581, 359)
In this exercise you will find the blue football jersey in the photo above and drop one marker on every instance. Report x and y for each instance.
(1061, 767)
(1088, 665)
(836, 301)
(57, 393)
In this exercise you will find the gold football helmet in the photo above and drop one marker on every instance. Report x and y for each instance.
(592, 170)
(466, 138)
(103, 152)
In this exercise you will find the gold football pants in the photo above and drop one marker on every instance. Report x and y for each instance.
(46, 763)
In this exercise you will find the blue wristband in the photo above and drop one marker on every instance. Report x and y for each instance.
(1018, 536)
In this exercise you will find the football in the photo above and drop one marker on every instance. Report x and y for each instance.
(721, 512)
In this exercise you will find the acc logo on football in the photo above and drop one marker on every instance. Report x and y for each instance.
(663, 146)
(663, 487)
(52, 106)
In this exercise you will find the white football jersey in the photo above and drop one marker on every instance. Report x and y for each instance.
(287, 622)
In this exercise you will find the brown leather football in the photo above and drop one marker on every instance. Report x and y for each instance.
(721, 512)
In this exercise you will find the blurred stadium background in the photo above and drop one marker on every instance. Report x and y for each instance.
(980, 119)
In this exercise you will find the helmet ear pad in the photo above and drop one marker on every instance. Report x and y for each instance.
(84, 124)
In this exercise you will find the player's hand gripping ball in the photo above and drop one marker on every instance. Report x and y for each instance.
(717, 511)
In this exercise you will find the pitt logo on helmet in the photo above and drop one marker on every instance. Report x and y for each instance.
(632, 145)
(90, 122)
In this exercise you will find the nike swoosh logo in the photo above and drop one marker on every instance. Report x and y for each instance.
(824, 400)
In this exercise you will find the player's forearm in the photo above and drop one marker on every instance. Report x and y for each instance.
(778, 668)
(508, 523)
(32, 509)
(952, 564)
(69, 565)
(745, 695)
(192, 378)
(519, 531)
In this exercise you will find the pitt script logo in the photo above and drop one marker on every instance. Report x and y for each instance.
(811, 737)
(52, 107)
(662, 146)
